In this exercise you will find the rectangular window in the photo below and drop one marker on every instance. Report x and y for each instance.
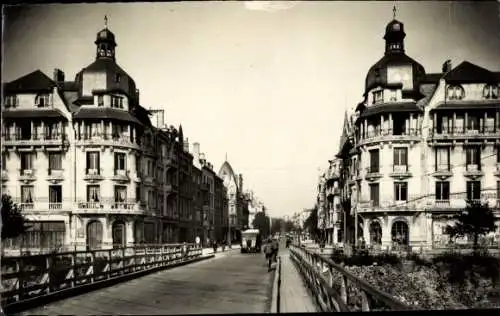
(55, 161)
(442, 158)
(400, 191)
(93, 193)
(11, 101)
(100, 100)
(138, 194)
(374, 161)
(120, 160)
(42, 101)
(27, 194)
(473, 156)
(55, 196)
(400, 156)
(93, 162)
(498, 155)
(26, 161)
(45, 235)
(374, 194)
(442, 190)
(117, 102)
(120, 194)
(473, 190)
(378, 96)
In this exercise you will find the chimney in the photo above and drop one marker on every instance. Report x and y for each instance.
(58, 75)
(447, 66)
(202, 159)
(160, 119)
(186, 145)
(196, 152)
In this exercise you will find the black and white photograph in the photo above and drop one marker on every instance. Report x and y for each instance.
(226, 157)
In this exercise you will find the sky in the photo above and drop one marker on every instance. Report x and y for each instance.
(265, 83)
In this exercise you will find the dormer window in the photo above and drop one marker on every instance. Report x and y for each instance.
(100, 100)
(490, 92)
(378, 96)
(42, 101)
(118, 78)
(117, 102)
(395, 46)
(11, 101)
(455, 93)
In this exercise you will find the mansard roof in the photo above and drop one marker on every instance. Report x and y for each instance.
(34, 82)
(467, 72)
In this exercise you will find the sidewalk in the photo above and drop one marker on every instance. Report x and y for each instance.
(210, 251)
(294, 297)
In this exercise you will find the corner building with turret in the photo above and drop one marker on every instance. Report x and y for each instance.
(86, 165)
(416, 148)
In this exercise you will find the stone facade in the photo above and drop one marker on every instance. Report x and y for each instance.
(416, 148)
(92, 168)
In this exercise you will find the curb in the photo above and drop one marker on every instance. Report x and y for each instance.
(85, 288)
(275, 300)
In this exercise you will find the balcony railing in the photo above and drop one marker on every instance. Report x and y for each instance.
(388, 134)
(486, 130)
(26, 205)
(107, 139)
(55, 205)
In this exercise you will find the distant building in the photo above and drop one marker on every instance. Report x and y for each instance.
(236, 201)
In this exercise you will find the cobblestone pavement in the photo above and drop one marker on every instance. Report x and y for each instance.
(231, 283)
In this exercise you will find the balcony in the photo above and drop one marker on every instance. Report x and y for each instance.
(373, 173)
(442, 171)
(121, 175)
(387, 135)
(55, 205)
(122, 208)
(27, 175)
(55, 175)
(462, 133)
(387, 205)
(473, 171)
(400, 171)
(26, 206)
(107, 140)
(32, 139)
(93, 174)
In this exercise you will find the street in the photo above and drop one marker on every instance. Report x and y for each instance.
(229, 283)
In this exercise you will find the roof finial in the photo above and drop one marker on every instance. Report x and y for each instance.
(226, 156)
(105, 21)
(394, 12)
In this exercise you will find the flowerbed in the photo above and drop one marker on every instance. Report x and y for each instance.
(447, 282)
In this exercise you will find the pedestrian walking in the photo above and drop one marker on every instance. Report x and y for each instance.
(268, 250)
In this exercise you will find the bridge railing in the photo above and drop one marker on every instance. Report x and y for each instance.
(337, 290)
(28, 277)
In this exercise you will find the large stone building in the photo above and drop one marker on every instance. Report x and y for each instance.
(237, 202)
(87, 165)
(416, 148)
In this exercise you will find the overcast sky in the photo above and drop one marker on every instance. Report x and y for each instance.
(267, 84)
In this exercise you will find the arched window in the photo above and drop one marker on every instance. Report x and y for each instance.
(455, 92)
(375, 233)
(94, 235)
(400, 233)
(490, 91)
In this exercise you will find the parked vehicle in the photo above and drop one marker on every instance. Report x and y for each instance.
(251, 241)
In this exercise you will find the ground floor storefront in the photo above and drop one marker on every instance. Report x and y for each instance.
(70, 232)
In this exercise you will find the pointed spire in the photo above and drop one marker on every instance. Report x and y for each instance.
(106, 21)
(226, 156)
(394, 12)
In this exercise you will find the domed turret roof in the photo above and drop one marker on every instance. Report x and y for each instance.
(394, 56)
(105, 35)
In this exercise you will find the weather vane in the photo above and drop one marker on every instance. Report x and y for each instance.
(106, 21)
(394, 12)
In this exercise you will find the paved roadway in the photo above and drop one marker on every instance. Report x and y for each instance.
(229, 283)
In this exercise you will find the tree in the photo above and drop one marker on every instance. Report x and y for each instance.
(311, 223)
(13, 223)
(476, 220)
(276, 225)
(261, 222)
